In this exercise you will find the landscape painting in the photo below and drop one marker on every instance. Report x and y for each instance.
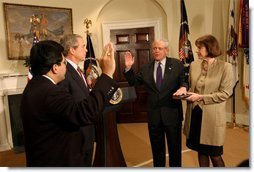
(25, 23)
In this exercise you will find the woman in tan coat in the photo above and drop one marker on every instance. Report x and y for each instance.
(210, 86)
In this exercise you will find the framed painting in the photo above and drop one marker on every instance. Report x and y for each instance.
(27, 24)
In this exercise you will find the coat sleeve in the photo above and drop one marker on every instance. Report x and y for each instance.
(132, 78)
(61, 105)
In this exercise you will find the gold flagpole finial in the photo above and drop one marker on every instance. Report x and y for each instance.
(87, 23)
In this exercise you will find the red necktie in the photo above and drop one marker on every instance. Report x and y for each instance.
(81, 75)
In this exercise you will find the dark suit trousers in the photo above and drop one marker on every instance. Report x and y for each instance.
(89, 134)
(174, 141)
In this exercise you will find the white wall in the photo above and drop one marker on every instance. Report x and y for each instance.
(205, 17)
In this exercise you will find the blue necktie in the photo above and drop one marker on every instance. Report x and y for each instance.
(159, 76)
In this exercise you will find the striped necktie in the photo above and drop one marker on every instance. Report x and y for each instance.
(81, 75)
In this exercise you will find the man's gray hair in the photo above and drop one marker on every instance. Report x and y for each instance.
(165, 41)
(69, 41)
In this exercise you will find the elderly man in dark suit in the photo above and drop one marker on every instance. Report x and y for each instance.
(51, 116)
(75, 82)
(163, 78)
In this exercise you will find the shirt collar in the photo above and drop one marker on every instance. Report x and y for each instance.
(163, 62)
(49, 79)
(72, 63)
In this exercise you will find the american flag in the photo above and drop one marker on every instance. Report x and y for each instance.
(90, 57)
(232, 49)
(181, 54)
(185, 49)
(243, 36)
(243, 42)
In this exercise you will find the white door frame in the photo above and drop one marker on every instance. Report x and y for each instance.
(113, 25)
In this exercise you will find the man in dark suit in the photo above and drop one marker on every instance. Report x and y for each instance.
(75, 82)
(164, 113)
(51, 116)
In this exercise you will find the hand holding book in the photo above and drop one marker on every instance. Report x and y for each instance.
(183, 96)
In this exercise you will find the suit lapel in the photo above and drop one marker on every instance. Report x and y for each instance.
(77, 78)
(167, 74)
(151, 76)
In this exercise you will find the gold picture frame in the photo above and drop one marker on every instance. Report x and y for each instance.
(52, 24)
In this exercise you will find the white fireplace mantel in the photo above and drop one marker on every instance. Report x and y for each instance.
(10, 84)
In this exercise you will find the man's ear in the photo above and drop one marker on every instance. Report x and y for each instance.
(54, 69)
(72, 50)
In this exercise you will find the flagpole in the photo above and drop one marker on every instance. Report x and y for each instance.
(233, 124)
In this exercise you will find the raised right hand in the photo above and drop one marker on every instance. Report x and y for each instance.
(128, 59)
(107, 61)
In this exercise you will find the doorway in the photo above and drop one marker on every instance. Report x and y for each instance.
(138, 41)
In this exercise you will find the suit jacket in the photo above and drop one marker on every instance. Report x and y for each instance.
(218, 88)
(52, 119)
(161, 106)
(76, 86)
